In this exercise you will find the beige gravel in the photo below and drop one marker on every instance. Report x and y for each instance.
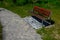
(15, 28)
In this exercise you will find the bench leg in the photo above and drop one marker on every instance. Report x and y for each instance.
(42, 23)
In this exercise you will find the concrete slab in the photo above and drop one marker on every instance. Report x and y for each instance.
(33, 22)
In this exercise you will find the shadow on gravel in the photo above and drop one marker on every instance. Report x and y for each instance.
(0, 31)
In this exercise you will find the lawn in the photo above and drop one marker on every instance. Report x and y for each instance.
(22, 11)
(52, 33)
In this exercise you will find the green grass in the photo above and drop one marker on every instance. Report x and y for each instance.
(52, 33)
(22, 11)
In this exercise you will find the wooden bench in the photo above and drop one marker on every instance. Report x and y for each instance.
(41, 13)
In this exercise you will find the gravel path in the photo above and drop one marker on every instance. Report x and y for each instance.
(15, 28)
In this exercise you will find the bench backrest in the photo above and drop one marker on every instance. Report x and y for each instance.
(42, 11)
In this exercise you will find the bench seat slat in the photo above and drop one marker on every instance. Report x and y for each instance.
(42, 11)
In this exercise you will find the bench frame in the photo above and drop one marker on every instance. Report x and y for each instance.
(43, 12)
